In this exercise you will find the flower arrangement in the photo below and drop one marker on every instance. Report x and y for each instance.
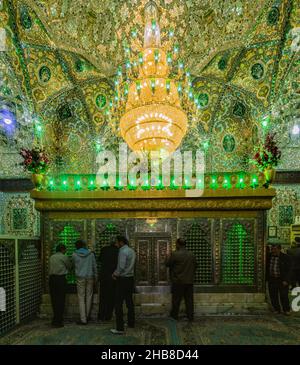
(35, 160)
(268, 155)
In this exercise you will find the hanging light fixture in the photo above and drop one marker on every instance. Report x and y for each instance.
(148, 101)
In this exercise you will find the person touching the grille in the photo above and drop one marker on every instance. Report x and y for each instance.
(59, 266)
(86, 274)
(124, 276)
(182, 265)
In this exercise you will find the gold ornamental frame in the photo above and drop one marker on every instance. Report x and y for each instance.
(158, 204)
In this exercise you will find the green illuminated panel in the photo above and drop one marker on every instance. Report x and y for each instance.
(68, 236)
(105, 237)
(238, 256)
(199, 243)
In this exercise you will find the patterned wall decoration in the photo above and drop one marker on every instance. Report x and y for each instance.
(286, 206)
(18, 216)
(286, 95)
(103, 28)
(69, 136)
(45, 74)
(285, 110)
(232, 134)
(14, 92)
(286, 216)
(20, 132)
(255, 71)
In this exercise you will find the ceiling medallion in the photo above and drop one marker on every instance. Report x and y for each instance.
(153, 93)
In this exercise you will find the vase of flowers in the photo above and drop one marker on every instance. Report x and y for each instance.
(267, 157)
(37, 180)
(37, 162)
(269, 174)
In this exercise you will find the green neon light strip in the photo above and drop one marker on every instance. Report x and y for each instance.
(212, 181)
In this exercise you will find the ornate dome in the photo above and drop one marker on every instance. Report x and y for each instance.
(238, 53)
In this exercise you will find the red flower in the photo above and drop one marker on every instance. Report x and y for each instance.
(267, 155)
(35, 160)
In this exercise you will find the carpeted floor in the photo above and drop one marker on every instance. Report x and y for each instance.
(218, 330)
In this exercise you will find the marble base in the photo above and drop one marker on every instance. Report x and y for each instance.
(158, 304)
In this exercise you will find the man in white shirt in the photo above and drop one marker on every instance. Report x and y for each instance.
(59, 265)
(124, 276)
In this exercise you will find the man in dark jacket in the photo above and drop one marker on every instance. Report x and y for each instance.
(108, 263)
(182, 264)
(278, 275)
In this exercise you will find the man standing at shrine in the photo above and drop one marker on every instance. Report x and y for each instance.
(86, 275)
(124, 276)
(278, 276)
(59, 265)
(182, 264)
(108, 263)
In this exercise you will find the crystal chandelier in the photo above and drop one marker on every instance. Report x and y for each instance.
(153, 93)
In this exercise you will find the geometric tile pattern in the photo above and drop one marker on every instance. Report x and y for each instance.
(30, 278)
(22, 287)
(7, 281)
(286, 206)
(17, 215)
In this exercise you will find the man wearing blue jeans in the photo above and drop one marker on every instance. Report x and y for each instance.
(86, 275)
(124, 276)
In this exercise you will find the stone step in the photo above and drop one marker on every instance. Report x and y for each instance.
(164, 298)
(149, 309)
(138, 298)
(156, 309)
(229, 297)
(151, 304)
(152, 298)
